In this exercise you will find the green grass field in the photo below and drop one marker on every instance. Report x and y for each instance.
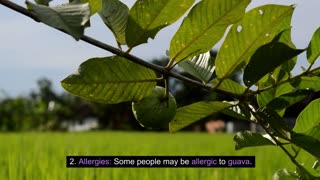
(32, 156)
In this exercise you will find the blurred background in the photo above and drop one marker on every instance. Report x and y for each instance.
(35, 58)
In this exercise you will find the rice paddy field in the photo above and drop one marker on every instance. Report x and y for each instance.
(33, 156)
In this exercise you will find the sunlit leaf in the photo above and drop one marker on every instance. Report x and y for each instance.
(313, 51)
(308, 118)
(307, 82)
(71, 18)
(266, 59)
(201, 66)
(95, 5)
(110, 80)
(284, 174)
(258, 27)
(189, 114)
(148, 17)
(229, 86)
(250, 139)
(115, 15)
(204, 26)
(307, 161)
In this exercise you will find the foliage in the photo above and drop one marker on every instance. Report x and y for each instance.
(258, 44)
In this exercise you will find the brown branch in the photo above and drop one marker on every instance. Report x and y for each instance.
(121, 53)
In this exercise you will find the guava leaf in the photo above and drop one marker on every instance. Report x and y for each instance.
(313, 51)
(240, 111)
(284, 174)
(308, 118)
(287, 100)
(201, 66)
(276, 122)
(306, 142)
(308, 160)
(204, 26)
(250, 139)
(110, 80)
(189, 114)
(148, 17)
(257, 27)
(71, 18)
(285, 37)
(115, 15)
(266, 59)
(267, 96)
(307, 82)
(229, 86)
(95, 5)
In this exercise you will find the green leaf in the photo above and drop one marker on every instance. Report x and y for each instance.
(287, 100)
(284, 174)
(201, 66)
(250, 139)
(306, 142)
(313, 51)
(307, 82)
(110, 80)
(189, 114)
(258, 27)
(95, 5)
(204, 26)
(285, 37)
(283, 72)
(241, 111)
(148, 17)
(266, 59)
(229, 86)
(267, 96)
(307, 160)
(267, 115)
(71, 18)
(308, 118)
(43, 2)
(115, 15)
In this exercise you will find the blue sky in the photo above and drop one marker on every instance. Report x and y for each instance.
(31, 50)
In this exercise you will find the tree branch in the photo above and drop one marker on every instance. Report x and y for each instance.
(121, 53)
